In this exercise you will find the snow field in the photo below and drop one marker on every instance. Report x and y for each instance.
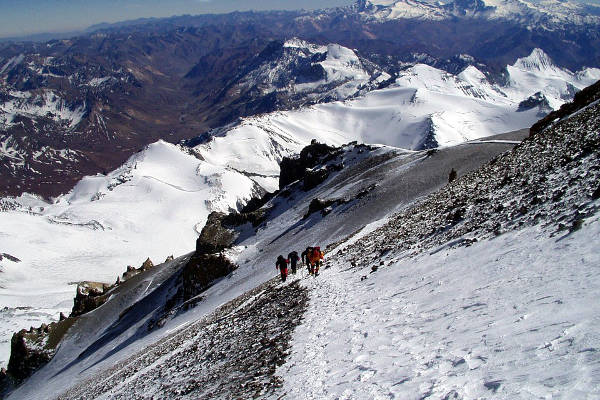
(491, 320)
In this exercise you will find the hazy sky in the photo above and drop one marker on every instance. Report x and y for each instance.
(23, 17)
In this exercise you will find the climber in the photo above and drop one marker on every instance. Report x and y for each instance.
(305, 258)
(281, 264)
(293, 260)
(314, 258)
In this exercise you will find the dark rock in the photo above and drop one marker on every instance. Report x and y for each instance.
(294, 168)
(147, 264)
(318, 205)
(255, 203)
(313, 178)
(9, 257)
(535, 100)
(219, 232)
(30, 350)
(201, 272)
(596, 194)
(25, 357)
(90, 295)
(214, 236)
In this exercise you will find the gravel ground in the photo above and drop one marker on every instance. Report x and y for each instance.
(231, 354)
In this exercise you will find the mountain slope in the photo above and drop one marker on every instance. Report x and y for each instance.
(413, 298)
(114, 219)
(363, 168)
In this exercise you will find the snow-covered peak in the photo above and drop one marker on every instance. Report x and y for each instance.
(403, 9)
(298, 69)
(296, 43)
(537, 61)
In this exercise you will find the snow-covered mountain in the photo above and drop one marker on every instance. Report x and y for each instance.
(447, 298)
(427, 107)
(156, 203)
(309, 73)
(544, 14)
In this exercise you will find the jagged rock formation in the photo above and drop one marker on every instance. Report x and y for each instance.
(582, 98)
(214, 236)
(31, 349)
(90, 295)
(219, 232)
(295, 168)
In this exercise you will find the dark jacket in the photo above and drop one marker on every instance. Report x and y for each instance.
(293, 258)
(281, 263)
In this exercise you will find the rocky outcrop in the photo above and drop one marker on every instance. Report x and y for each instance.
(214, 236)
(219, 232)
(295, 168)
(581, 99)
(324, 206)
(30, 350)
(202, 271)
(90, 295)
(9, 257)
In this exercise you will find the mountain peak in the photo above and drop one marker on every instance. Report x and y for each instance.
(538, 60)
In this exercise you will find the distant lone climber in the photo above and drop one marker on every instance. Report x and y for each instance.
(293, 260)
(452, 175)
(281, 264)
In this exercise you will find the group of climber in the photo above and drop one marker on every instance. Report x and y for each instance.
(312, 257)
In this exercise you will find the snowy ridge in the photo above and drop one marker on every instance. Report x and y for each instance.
(300, 68)
(426, 103)
(548, 14)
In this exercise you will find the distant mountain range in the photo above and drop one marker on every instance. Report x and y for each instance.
(79, 106)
